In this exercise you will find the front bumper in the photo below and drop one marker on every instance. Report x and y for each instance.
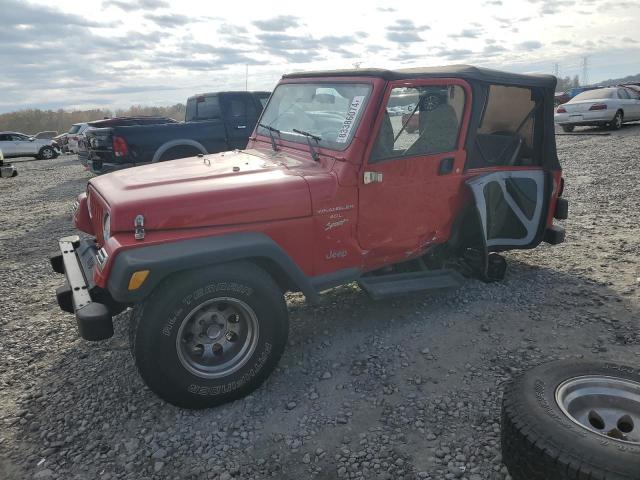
(91, 305)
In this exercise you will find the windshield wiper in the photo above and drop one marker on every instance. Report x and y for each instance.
(309, 136)
(271, 129)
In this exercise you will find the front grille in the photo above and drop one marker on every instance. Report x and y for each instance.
(96, 211)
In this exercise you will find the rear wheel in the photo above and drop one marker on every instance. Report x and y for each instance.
(568, 128)
(210, 336)
(47, 153)
(616, 123)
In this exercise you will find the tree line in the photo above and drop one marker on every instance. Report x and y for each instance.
(32, 121)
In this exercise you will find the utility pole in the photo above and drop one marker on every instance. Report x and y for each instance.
(585, 70)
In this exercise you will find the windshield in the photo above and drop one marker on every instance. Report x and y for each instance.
(74, 128)
(330, 111)
(595, 94)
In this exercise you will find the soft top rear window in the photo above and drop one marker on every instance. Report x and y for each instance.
(510, 123)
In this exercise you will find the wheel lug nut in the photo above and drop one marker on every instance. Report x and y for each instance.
(231, 336)
(234, 318)
(217, 348)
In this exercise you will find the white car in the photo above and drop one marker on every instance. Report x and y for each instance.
(76, 130)
(14, 144)
(610, 107)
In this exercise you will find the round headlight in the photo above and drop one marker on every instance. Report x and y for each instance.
(106, 227)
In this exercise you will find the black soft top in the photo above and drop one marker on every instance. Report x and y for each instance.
(466, 72)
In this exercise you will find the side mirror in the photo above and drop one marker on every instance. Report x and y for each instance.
(31, 139)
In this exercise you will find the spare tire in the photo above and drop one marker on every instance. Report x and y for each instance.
(573, 420)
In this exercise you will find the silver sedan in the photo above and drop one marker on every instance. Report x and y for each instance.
(606, 107)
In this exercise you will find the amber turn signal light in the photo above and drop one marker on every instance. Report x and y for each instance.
(137, 279)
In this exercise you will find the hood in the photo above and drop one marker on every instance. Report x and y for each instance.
(222, 189)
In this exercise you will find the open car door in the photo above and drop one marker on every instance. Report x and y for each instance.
(511, 206)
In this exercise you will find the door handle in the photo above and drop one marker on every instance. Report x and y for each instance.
(240, 126)
(446, 166)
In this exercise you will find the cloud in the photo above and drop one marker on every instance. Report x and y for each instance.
(386, 9)
(228, 29)
(456, 53)
(404, 31)
(278, 24)
(404, 37)
(530, 45)
(171, 20)
(467, 33)
(491, 49)
(130, 6)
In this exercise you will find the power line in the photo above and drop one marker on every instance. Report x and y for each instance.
(585, 70)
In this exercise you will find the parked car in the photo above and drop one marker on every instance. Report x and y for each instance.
(83, 147)
(605, 107)
(14, 144)
(61, 141)
(46, 135)
(564, 97)
(73, 135)
(632, 86)
(214, 122)
(327, 192)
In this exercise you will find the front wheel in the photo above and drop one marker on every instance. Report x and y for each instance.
(568, 128)
(210, 336)
(47, 153)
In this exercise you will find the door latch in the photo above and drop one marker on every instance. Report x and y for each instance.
(372, 177)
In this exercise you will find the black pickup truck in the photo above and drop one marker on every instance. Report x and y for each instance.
(214, 122)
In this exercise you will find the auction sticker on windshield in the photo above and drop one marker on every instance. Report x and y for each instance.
(350, 119)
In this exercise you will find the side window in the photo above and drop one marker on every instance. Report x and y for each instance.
(4, 137)
(420, 121)
(18, 138)
(190, 113)
(633, 94)
(622, 93)
(241, 107)
(208, 107)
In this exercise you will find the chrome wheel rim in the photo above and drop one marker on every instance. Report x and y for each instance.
(47, 153)
(607, 406)
(217, 337)
(618, 120)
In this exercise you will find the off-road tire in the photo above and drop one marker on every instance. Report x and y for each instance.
(47, 153)
(568, 128)
(155, 324)
(616, 123)
(540, 442)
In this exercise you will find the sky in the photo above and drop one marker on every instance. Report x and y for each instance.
(118, 53)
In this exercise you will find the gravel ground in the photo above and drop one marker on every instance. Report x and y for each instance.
(408, 388)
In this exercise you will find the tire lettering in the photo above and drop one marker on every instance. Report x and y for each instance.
(231, 386)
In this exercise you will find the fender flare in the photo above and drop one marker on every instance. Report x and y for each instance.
(182, 142)
(165, 259)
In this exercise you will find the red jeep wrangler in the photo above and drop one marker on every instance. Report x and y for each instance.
(331, 189)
